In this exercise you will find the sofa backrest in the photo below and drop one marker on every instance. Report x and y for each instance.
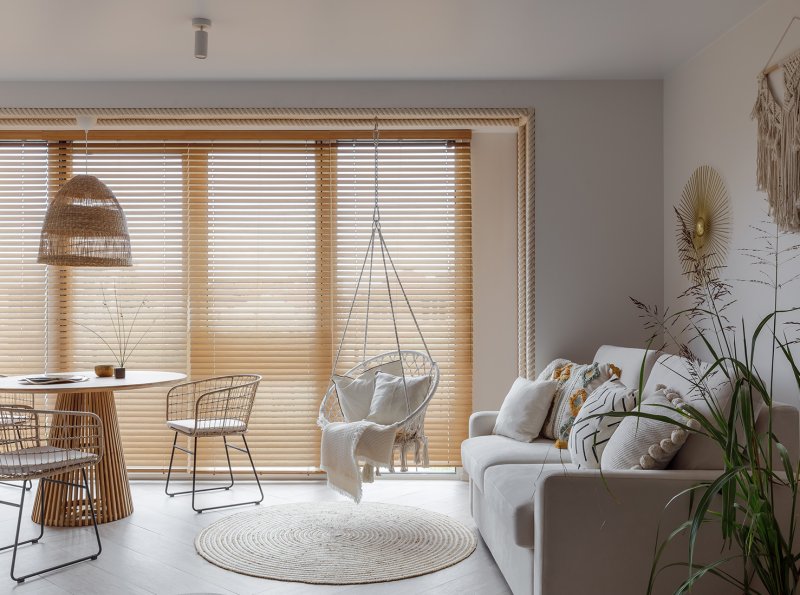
(700, 452)
(629, 360)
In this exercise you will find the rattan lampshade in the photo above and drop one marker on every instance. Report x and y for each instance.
(85, 226)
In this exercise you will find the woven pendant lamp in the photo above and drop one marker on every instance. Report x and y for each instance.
(85, 225)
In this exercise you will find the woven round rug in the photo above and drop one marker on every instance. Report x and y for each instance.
(336, 543)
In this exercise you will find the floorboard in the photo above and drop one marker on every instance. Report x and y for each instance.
(152, 551)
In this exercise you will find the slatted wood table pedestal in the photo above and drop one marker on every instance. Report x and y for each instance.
(68, 506)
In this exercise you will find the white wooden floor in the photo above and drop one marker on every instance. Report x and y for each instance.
(152, 551)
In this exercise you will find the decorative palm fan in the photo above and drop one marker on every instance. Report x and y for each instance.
(705, 211)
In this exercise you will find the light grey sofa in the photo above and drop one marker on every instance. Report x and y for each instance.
(554, 529)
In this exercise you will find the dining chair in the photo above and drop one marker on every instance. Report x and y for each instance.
(43, 444)
(212, 407)
(26, 401)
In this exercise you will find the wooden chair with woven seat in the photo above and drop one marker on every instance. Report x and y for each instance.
(43, 444)
(213, 407)
(25, 401)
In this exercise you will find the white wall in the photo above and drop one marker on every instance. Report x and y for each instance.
(598, 196)
(707, 104)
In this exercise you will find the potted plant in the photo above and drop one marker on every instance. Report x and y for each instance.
(742, 499)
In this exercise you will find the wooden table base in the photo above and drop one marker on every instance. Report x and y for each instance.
(67, 506)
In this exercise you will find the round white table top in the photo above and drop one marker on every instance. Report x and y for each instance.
(133, 379)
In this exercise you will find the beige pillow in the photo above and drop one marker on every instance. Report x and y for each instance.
(355, 394)
(525, 408)
(575, 383)
(643, 443)
(389, 404)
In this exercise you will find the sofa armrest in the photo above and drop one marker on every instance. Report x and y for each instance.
(625, 514)
(481, 423)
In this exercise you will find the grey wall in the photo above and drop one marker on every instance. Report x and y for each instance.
(599, 191)
(707, 104)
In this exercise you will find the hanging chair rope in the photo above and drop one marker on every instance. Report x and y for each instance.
(388, 262)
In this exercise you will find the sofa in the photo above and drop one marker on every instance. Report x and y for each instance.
(555, 529)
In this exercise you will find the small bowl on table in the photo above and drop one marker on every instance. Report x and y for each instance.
(104, 371)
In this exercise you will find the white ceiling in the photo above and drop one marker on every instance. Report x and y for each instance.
(358, 39)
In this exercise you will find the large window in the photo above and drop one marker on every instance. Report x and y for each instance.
(246, 254)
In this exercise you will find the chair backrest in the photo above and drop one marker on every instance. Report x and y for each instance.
(220, 398)
(415, 363)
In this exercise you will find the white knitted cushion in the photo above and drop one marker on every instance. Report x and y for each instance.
(525, 408)
(355, 394)
(642, 443)
(392, 401)
(590, 434)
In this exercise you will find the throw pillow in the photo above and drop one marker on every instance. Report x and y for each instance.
(590, 434)
(355, 394)
(547, 373)
(642, 443)
(525, 408)
(575, 383)
(389, 404)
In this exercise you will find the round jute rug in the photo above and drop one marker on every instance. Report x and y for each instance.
(336, 543)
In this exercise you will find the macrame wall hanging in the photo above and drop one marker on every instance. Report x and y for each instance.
(778, 160)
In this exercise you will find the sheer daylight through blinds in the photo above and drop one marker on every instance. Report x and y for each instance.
(245, 260)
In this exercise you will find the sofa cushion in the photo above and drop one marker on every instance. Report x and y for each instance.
(509, 490)
(629, 361)
(482, 452)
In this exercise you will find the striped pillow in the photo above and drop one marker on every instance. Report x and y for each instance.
(590, 434)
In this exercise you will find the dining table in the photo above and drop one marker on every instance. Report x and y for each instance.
(109, 487)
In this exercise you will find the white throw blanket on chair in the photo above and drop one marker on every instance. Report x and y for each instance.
(345, 444)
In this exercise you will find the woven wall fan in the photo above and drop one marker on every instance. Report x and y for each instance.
(705, 211)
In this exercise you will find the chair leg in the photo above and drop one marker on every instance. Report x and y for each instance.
(194, 458)
(194, 491)
(17, 542)
(26, 485)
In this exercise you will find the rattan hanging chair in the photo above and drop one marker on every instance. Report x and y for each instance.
(410, 431)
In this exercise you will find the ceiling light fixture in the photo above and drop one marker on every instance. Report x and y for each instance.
(201, 37)
(84, 224)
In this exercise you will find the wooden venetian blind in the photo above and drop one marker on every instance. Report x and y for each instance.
(246, 255)
(24, 188)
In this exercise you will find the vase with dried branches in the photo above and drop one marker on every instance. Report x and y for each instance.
(125, 335)
(758, 532)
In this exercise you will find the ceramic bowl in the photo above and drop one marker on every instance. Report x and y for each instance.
(104, 371)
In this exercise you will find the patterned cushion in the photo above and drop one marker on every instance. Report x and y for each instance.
(575, 383)
(590, 434)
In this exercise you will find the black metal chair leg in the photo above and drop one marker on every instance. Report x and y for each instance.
(17, 542)
(194, 491)
(26, 485)
(194, 457)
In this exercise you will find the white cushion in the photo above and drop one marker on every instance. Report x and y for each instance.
(42, 458)
(525, 408)
(355, 394)
(482, 452)
(207, 426)
(643, 443)
(395, 399)
(591, 434)
(699, 452)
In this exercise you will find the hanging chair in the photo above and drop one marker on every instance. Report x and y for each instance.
(410, 431)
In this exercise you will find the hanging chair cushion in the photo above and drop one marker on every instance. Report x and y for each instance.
(389, 404)
(355, 394)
